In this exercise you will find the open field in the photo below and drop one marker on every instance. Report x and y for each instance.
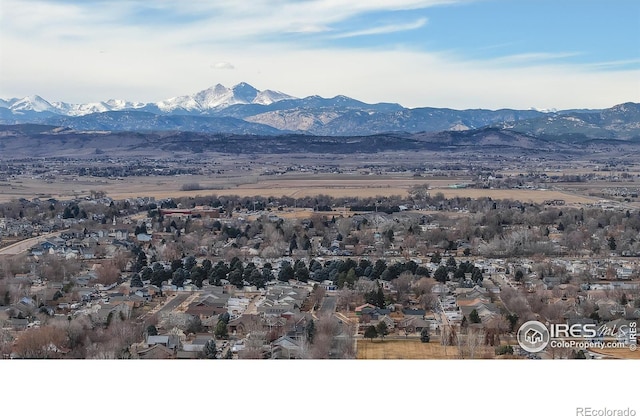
(162, 187)
(411, 349)
(620, 353)
(524, 195)
(165, 187)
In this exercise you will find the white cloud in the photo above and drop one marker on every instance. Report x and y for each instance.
(531, 58)
(384, 29)
(54, 49)
(223, 65)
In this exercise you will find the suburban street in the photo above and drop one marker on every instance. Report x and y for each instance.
(172, 303)
(328, 305)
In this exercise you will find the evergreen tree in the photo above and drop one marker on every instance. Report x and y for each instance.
(382, 329)
(436, 258)
(310, 331)
(301, 272)
(424, 335)
(370, 332)
(474, 317)
(221, 331)
(441, 274)
(210, 349)
(380, 300)
(286, 272)
(451, 264)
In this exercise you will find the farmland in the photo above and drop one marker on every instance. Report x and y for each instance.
(337, 186)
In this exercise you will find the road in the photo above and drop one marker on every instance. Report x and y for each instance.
(328, 305)
(252, 307)
(24, 245)
(172, 303)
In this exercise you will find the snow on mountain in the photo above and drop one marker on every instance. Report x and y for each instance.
(99, 107)
(213, 98)
(244, 93)
(31, 103)
(219, 96)
(267, 97)
(544, 110)
(115, 105)
(184, 102)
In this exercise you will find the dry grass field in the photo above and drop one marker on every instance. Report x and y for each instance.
(620, 353)
(524, 195)
(411, 349)
(301, 186)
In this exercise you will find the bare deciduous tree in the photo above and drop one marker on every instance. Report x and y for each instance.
(43, 342)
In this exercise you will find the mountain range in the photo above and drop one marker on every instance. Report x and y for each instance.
(242, 109)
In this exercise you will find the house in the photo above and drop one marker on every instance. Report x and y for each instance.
(143, 238)
(374, 315)
(387, 320)
(155, 352)
(121, 234)
(46, 246)
(414, 325)
(106, 310)
(208, 305)
(366, 308)
(19, 324)
(278, 308)
(244, 324)
(420, 313)
(144, 294)
(193, 347)
(551, 281)
(287, 348)
(170, 341)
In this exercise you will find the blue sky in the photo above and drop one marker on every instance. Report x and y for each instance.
(441, 53)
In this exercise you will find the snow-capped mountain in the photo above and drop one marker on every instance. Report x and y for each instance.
(243, 109)
(214, 98)
(30, 103)
(99, 107)
(219, 96)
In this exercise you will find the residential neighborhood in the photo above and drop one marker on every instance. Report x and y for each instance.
(262, 280)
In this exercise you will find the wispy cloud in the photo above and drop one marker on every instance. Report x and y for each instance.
(532, 58)
(165, 48)
(624, 63)
(379, 30)
(223, 65)
(195, 20)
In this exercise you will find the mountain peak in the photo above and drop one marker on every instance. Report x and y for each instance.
(32, 103)
(244, 92)
(243, 85)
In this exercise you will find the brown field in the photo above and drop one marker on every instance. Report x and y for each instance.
(620, 353)
(365, 191)
(165, 187)
(301, 186)
(411, 349)
(524, 195)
